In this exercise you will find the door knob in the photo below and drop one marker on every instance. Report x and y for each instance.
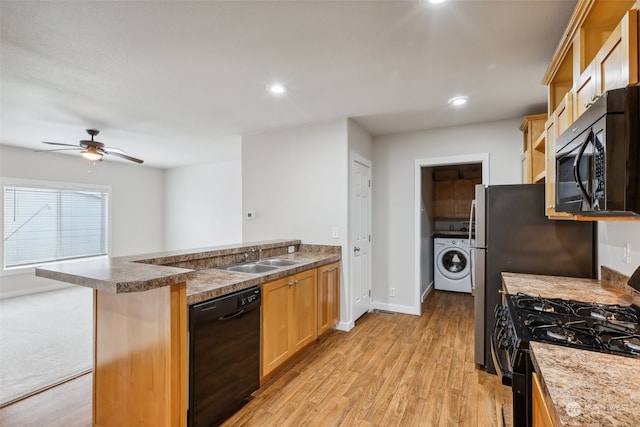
(356, 249)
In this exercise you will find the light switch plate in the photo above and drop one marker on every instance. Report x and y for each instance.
(335, 232)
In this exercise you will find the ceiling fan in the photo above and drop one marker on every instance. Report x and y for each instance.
(93, 150)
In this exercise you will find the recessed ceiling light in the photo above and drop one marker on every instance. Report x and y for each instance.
(459, 100)
(277, 88)
(425, 2)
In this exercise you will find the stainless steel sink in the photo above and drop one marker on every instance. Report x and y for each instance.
(278, 262)
(251, 268)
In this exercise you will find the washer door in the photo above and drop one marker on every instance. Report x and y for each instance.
(453, 263)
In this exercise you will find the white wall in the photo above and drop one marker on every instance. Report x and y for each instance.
(203, 205)
(295, 181)
(360, 142)
(612, 239)
(137, 203)
(393, 193)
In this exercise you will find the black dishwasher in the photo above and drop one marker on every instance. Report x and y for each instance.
(224, 356)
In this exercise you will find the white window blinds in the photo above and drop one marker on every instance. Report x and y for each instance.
(46, 224)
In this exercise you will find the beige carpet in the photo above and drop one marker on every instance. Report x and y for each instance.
(45, 339)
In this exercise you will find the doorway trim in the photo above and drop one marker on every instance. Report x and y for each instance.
(431, 162)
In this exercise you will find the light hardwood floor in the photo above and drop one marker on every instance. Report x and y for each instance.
(389, 370)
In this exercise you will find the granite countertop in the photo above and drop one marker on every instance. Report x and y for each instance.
(582, 388)
(185, 255)
(116, 276)
(589, 290)
(214, 282)
(145, 272)
(587, 388)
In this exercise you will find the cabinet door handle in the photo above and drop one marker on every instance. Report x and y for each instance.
(290, 284)
(296, 282)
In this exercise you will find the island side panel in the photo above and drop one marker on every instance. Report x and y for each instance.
(140, 375)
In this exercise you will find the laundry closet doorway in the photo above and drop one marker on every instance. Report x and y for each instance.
(427, 202)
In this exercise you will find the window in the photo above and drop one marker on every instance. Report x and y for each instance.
(48, 224)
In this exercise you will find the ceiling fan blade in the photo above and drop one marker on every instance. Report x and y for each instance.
(116, 149)
(59, 143)
(123, 156)
(59, 149)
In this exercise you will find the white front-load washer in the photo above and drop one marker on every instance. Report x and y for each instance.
(452, 264)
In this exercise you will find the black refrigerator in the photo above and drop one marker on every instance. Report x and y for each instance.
(512, 234)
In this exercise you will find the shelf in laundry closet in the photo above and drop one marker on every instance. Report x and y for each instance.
(452, 233)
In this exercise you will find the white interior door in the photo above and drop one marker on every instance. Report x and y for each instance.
(360, 236)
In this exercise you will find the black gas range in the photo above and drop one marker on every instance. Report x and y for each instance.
(608, 328)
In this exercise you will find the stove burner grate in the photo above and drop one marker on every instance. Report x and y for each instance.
(609, 312)
(543, 305)
(629, 344)
(609, 328)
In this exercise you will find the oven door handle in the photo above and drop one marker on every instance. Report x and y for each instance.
(504, 375)
(576, 168)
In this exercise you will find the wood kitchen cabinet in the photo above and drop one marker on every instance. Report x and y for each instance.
(541, 417)
(289, 318)
(599, 52)
(304, 308)
(328, 297)
(443, 199)
(533, 148)
(615, 64)
(452, 198)
(463, 194)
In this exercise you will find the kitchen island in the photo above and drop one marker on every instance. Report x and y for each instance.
(580, 387)
(140, 351)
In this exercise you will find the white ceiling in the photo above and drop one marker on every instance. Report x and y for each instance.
(178, 82)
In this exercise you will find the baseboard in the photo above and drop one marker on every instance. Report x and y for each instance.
(345, 326)
(395, 308)
(426, 292)
(33, 290)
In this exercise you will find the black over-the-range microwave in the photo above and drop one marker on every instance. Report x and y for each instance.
(598, 158)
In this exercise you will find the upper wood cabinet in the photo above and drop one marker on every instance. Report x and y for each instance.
(462, 196)
(614, 66)
(443, 199)
(452, 198)
(533, 148)
(599, 52)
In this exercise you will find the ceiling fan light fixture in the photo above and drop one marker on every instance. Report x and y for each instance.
(91, 154)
